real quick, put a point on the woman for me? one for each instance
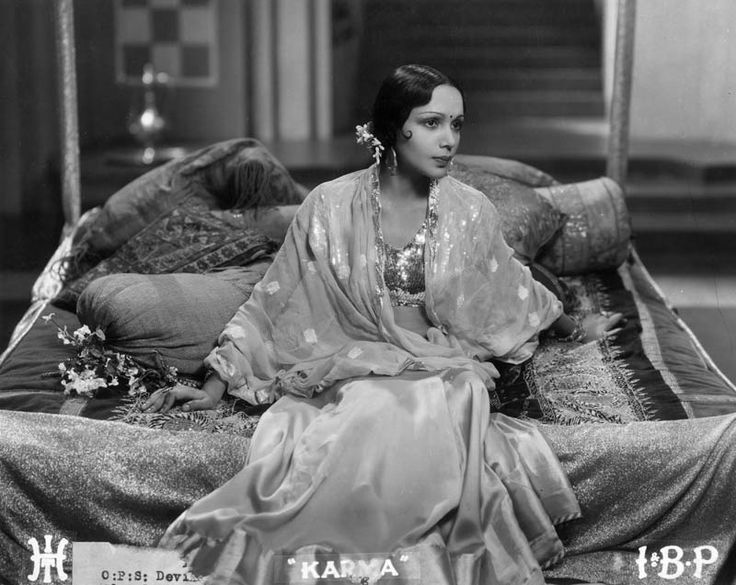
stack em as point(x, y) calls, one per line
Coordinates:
point(422, 101)
point(373, 331)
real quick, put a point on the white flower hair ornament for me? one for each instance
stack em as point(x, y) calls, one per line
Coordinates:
point(364, 135)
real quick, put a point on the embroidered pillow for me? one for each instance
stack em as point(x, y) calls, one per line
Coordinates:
point(596, 231)
point(235, 174)
point(529, 220)
point(190, 238)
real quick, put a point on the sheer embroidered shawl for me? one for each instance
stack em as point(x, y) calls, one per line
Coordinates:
point(322, 312)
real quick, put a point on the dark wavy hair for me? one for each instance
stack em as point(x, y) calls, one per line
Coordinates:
point(406, 88)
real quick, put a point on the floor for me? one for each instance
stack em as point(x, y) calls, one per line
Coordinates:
point(682, 199)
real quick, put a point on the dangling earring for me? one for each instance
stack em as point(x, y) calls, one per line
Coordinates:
point(391, 162)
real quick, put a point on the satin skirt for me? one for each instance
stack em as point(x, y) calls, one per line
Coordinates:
point(412, 466)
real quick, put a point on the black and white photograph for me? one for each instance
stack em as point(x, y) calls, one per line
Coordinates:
point(368, 292)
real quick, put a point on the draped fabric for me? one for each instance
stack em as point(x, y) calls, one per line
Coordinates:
point(382, 441)
point(654, 485)
point(322, 312)
point(412, 466)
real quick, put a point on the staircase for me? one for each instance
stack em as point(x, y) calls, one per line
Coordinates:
point(513, 58)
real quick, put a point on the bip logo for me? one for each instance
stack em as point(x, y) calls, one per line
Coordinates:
point(48, 559)
point(673, 563)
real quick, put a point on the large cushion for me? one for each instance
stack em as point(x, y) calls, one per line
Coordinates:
point(529, 220)
point(174, 317)
point(596, 232)
point(190, 238)
point(235, 174)
point(508, 169)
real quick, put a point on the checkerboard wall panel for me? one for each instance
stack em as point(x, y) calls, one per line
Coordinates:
point(178, 37)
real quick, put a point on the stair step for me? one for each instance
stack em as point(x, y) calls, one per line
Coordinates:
point(684, 206)
point(487, 106)
point(453, 58)
point(715, 223)
point(520, 5)
point(574, 25)
point(657, 197)
point(441, 9)
point(568, 166)
point(490, 15)
point(675, 206)
point(673, 244)
point(589, 79)
point(696, 189)
point(515, 81)
point(472, 35)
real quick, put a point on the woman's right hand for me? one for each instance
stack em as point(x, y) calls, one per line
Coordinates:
point(205, 398)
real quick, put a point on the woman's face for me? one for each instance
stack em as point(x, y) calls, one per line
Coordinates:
point(433, 132)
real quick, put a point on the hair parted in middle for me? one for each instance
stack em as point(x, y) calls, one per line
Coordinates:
point(406, 88)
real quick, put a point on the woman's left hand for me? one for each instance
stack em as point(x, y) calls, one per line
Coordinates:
point(597, 325)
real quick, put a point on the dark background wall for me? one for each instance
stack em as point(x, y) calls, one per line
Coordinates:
point(29, 143)
point(195, 113)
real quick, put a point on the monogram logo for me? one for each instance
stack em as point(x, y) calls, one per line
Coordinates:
point(48, 559)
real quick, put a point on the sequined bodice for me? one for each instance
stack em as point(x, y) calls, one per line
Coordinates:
point(404, 272)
